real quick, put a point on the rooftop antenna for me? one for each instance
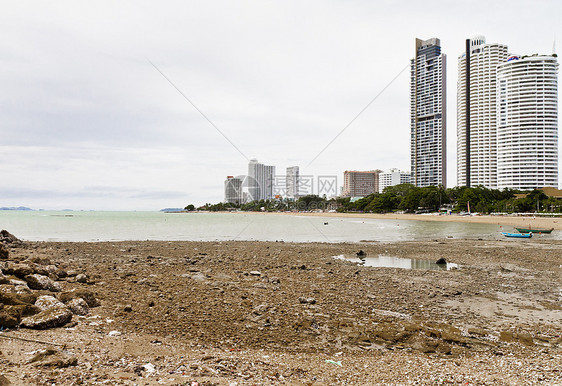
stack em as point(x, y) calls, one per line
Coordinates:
point(554, 45)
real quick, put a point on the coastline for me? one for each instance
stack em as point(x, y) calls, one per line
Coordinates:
point(254, 312)
point(538, 222)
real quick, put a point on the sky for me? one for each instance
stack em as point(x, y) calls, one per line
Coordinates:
point(88, 123)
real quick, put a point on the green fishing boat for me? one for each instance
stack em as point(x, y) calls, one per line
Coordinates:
point(534, 230)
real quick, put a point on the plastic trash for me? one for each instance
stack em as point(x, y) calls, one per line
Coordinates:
point(334, 362)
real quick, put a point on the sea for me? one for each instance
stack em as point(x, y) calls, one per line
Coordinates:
point(91, 226)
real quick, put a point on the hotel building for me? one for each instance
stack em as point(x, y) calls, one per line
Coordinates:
point(477, 114)
point(360, 183)
point(392, 178)
point(527, 131)
point(428, 114)
point(292, 182)
point(233, 193)
point(260, 181)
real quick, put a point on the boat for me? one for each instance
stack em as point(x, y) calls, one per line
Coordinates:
point(534, 230)
point(518, 235)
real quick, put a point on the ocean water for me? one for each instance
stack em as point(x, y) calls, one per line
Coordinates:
point(117, 226)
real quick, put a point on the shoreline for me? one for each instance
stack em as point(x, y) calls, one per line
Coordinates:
point(534, 222)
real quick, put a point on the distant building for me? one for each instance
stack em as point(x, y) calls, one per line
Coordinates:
point(233, 190)
point(428, 142)
point(260, 181)
point(292, 182)
point(392, 178)
point(527, 131)
point(476, 113)
point(360, 183)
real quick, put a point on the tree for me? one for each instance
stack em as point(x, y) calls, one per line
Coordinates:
point(190, 208)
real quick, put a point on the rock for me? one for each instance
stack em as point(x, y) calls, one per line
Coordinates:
point(4, 279)
point(21, 311)
point(17, 299)
point(8, 238)
point(51, 318)
point(507, 336)
point(304, 300)
point(441, 261)
point(40, 282)
point(46, 302)
point(4, 253)
point(361, 253)
point(53, 358)
point(477, 331)
point(78, 306)
point(255, 273)
point(128, 308)
point(87, 295)
point(525, 339)
point(7, 320)
point(4, 381)
point(81, 278)
point(18, 269)
point(114, 333)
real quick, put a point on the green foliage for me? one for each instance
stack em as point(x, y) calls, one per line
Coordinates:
point(190, 208)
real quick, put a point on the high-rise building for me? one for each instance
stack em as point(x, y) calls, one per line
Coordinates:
point(260, 181)
point(527, 131)
point(292, 182)
point(233, 190)
point(476, 112)
point(360, 183)
point(428, 114)
point(392, 178)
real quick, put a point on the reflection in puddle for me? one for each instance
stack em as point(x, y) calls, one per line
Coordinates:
point(397, 262)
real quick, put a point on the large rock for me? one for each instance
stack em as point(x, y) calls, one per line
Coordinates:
point(46, 302)
point(8, 238)
point(53, 358)
point(7, 320)
point(87, 295)
point(41, 282)
point(4, 253)
point(78, 306)
point(16, 299)
point(18, 270)
point(51, 318)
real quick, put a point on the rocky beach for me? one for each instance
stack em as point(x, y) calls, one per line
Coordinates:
point(267, 313)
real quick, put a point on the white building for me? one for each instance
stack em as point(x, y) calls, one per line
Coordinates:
point(428, 141)
point(292, 182)
point(476, 113)
point(392, 178)
point(260, 181)
point(527, 134)
point(233, 193)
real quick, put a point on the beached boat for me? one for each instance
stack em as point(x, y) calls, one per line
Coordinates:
point(518, 235)
point(534, 230)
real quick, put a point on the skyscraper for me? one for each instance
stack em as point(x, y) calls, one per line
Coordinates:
point(527, 132)
point(292, 182)
point(260, 181)
point(428, 114)
point(392, 178)
point(233, 190)
point(476, 112)
point(360, 183)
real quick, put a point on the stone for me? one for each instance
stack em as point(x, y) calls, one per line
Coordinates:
point(4, 253)
point(255, 273)
point(8, 238)
point(46, 302)
point(7, 320)
point(4, 381)
point(441, 261)
point(53, 358)
point(78, 306)
point(41, 282)
point(128, 308)
point(21, 311)
point(525, 339)
point(18, 269)
point(477, 331)
point(85, 294)
point(304, 300)
point(16, 299)
point(507, 336)
point(51, 318)
point(81, 278)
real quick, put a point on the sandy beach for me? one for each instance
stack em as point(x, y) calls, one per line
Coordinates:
point(520, 221)
point(267, 313)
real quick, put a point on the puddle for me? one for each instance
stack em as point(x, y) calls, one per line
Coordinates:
point(397, 262)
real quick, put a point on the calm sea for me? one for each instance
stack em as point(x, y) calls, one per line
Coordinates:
point(116, 226)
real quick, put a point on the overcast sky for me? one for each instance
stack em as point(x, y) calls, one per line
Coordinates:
point(86, 122)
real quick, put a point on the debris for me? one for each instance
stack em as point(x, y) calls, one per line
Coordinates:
point(334, 362)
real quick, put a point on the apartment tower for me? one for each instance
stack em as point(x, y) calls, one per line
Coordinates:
point(360, 183)
point(428, 114)
point(233, 190)
point(477, 114)
point(292, 182)
point(527, 132)
point(260, 181)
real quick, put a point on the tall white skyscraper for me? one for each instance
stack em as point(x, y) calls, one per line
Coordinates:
point(428, 114)
point(527, 133)
point(476, 113)
point(292, 182)
point(233, 193)
point(392, 178)
point(260, 181)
